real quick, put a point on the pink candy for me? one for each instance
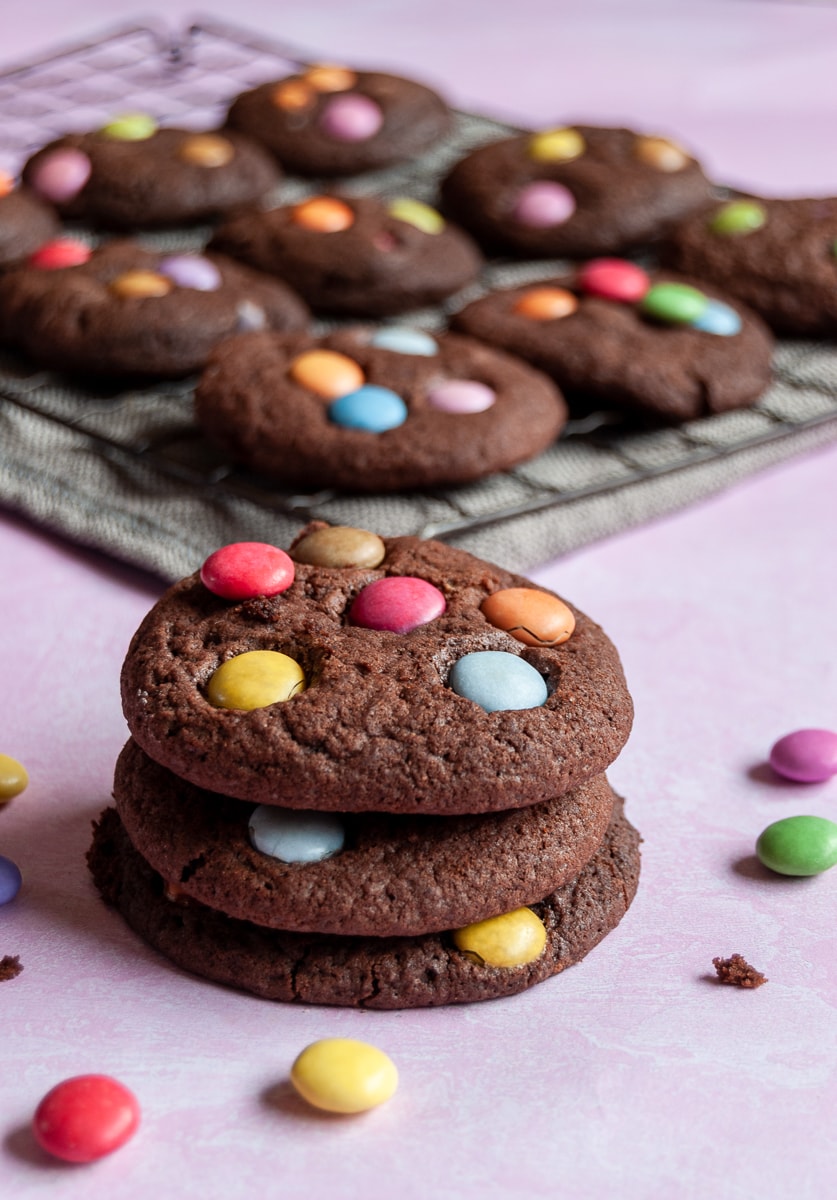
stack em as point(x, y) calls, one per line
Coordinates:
point(351, 117)
point(397, 603)
point(614, 279)
point(807, 755)
point(61, 175)
point(542, 204)
point(461, 396)
point(244, 570)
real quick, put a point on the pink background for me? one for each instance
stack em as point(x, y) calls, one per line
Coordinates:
point(634, 1074)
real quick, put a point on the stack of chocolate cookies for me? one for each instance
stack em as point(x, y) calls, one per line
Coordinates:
point(369, 772)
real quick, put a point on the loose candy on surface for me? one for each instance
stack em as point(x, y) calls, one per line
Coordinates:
point(60, 253)
point(674, 303)
point(370, 408)
point(350, 117)
point(140, 285)
point(510, 940)
point(529, 615)
point(403, 340)
point(799, 845)
point(191, 271)
point(207, 150)
point(397, 603)
point(14, 778)
point(498, 681)
point(556, 145)
point(130, 127)
point(244, 570)
point(323, 214)
point(255, 679)
point(546, 304)
point(10, 879)
point(295, 836)
point(614, 279)
point(86, 1117)
point(342, 1075)
point(660, 153)
point(327, 373)
point(414, 212)
point(341, 546)
point(461, 396)
point(718, 318)
point(543, 204)
point(806, 755)
point(61, 174)
point(738, 217)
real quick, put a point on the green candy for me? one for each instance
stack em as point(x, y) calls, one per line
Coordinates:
point(739, 216)
point(130, 127)
point(674, 303)
point(799, 846)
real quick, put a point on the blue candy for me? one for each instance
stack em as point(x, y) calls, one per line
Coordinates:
point(405, 341)
point(296, 837)
point(10, 880)
point(372, 408)
point(718, 318)
point(497, 680)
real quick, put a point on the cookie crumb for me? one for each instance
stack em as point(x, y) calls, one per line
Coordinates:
point(738, 972)
point(10, 967)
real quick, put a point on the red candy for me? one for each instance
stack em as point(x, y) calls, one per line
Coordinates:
point(614, 279)
point(397, 603)
point(62, 252)
point(243, 570)
point(85, 1118)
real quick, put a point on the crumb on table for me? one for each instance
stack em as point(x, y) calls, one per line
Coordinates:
point(10, 967)
point(738, 972)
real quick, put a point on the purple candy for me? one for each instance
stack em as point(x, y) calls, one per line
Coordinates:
point(10, 880)
point(397, 603)
point(543, 204)
point(461, 396)
point(807, 755)
point(61, 175)
point(351, 117)
point(191, 271)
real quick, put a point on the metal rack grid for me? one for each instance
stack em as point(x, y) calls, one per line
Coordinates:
point(188, 80)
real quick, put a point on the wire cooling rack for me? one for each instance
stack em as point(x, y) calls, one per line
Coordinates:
point(188, 80)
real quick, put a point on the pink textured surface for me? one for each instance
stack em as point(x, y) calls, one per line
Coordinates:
point(635, 1074)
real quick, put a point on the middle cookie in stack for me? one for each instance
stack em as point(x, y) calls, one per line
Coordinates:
point(423, 737)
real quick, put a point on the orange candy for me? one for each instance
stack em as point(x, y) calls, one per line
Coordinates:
point(327, 373)
point(6, 183)
point(531, 616)
point(140, 285)
point(329, 78)
point(546, 304)
point(323, 214)
point(660, 153)
point(206, 150)
point(293, 95)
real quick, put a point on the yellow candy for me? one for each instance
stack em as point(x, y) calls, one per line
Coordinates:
point(255, 680)
point(510, 940)
point(556, 145)
point(342, 1075)
point(413, 212)
point(140, 285)
point(13, 778)
point(206, 150)
point(130, 127)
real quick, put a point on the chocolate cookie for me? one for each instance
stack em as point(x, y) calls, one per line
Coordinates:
point(344, 411)
point(133, 175)
point(393, 876)
point(331, 121)
point(654, 342)
point(378, 693)
point(573, 191)
point(356, 257)
point(777, 256)
point(26, 222)
point(362, 972)
point(128, 310)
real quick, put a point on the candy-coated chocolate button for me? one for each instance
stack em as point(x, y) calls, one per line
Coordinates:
point(206, 150)
point(13, 778)
point(342, 1075)
point(674, 303)
point(530, 616)
point(498, 681)
point(543, 204)
point(660, 153)
point(329, 78)
point(614, 279)
point(350, 117)
point(807, 755)
point(60, 175)
point(323, 214)
point(556, 145)
point(718, 318)
point(371, 408)
point(243, 570)
point(739, 216)
point(296, 837)
point(413, 212)
point(130, 127)
point(86, 1117)
point(341, 546)
point(510, 940)
point(191, 271)
point(60, 253)
point(461, 396)
point(255, 679)
point(293, 95)
point(250, 317)
point(7, 183)
point(140, 285)
point(799, 846)
point(326, 373)
point(404, 341)
point(397, 604)
point(546, 304)
point(10, 879)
